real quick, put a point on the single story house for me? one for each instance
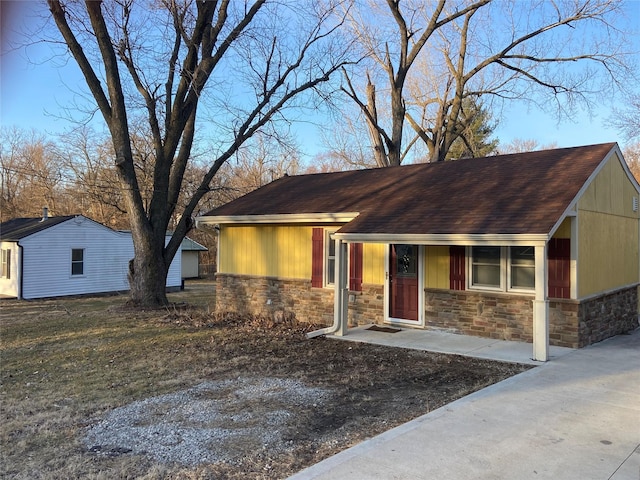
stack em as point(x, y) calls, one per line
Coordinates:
point(66, 255)
point(191, 257)
point(538, 247)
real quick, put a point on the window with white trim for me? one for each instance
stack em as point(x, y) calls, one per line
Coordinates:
point(502, 268)
point(329, 259)
point(522, 270)
point(5, 261)
point(77, 261)
point(486, 267)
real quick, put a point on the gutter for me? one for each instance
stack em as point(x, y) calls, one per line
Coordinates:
point(328, 217)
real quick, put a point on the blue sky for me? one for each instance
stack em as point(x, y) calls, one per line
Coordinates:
point(34, 92)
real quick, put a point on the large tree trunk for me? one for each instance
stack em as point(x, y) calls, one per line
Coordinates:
point(397, 112)
point(148, 272)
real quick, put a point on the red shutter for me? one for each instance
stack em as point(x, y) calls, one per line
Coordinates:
point(317, 256)
point(559, 253)
point(457, 268)
point(355, 267)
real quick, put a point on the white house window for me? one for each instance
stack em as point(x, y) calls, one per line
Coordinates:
point(486, 267)
point(523, 268)
point(77, 261)
point(329, 259)
point(5, 261)
point(502, 268)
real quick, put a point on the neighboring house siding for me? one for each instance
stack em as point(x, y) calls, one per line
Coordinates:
point(607, 232)
point(9, 285)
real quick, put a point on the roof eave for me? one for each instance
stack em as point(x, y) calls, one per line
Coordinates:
point(340, 217)
point(463, 239)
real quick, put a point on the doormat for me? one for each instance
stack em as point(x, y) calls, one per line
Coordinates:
point(377, 328)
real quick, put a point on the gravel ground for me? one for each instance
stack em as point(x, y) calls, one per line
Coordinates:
point(211, 422)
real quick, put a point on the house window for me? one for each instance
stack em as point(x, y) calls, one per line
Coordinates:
point(5, 260)
point(329, 259)
point(523, 268)
point(77, 261)
point(485, 267)
point(502, 268)
point(323, 261)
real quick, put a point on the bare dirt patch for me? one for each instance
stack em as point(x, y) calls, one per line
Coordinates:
point(89, 391)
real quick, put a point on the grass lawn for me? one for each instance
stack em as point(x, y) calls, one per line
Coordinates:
point(67, 364)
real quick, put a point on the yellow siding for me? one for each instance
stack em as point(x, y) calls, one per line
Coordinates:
point(373, 263)
point(437, 267)
point(282, 251)
point(564, 231)
point(608, 234)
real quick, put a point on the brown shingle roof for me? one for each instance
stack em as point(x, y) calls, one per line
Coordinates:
point(505, 194)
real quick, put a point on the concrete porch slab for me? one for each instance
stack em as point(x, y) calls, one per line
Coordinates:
point(443, 342)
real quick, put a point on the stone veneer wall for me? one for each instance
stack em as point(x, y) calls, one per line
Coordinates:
point(563, 322)
point(491, 315)
point(607, 315)
point(273, 296)
point(572, 323)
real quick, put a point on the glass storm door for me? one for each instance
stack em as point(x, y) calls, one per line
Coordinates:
point(403, 282)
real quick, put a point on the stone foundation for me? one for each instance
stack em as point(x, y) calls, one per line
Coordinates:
point(296, 298)
point(563, 322)
point(607, 315)
point(572, 323)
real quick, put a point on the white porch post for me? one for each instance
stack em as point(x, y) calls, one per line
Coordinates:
point(341, 292)
point(541, 306)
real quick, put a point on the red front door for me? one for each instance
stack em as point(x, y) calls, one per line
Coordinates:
point(403, 282)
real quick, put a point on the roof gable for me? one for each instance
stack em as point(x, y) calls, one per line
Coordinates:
point(505, 194)
point(190, 245)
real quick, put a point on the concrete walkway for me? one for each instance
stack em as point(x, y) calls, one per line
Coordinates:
point(575, 417)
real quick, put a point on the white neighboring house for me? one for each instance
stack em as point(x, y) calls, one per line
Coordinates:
point(68, 255)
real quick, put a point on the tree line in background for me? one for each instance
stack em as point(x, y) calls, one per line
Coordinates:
point(198, 109)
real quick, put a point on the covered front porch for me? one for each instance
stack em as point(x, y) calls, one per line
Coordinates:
point(539, 351)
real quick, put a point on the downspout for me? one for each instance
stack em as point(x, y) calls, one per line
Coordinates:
point(341, 295)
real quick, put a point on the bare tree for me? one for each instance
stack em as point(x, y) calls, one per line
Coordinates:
point(520, 145)
point(31, 177)
point(428, 59)
point(632, 157)
point(627, 119)
point(93, 182)
point(266, 160)
point(257, 58)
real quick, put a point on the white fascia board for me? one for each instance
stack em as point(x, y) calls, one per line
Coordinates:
point(446, 239)
point(342, 217)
